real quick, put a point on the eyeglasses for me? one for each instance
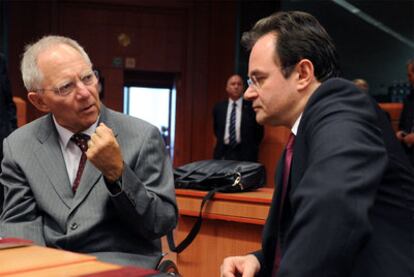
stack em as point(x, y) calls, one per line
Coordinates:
point(88, 79)
point(253, 83)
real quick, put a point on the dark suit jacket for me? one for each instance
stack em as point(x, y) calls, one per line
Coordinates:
point(7, 107)
point(407, 122)
point(120, 228)
point(251, 133)
point(350, 205)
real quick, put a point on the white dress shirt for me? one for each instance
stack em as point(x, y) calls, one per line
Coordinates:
point(71, 152)
point(295, 126)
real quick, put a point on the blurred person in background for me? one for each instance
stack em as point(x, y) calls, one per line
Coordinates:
point(238, 136)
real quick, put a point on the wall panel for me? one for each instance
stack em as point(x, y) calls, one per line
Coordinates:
point(195, 40)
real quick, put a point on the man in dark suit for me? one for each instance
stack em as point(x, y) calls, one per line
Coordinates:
point(344, 201)
point(406, 126)
point(112, 197)
point(8, 120)
point(247, 133)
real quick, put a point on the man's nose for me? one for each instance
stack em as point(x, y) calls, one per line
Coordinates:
point(82, 89)
point(249, 94)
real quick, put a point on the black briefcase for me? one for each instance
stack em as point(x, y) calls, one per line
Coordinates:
point(215, 176)
point(224, 175)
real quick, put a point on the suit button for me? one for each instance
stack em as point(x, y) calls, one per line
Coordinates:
point(74, 226)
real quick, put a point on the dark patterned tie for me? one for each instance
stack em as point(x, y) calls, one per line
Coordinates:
point(81, 141)
point(232, 128)
point(286, 173)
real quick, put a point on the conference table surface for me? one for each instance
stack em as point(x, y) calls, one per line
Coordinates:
point(39, 261)
point(249, 208)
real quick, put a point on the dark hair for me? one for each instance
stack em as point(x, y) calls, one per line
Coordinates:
point(299, 35)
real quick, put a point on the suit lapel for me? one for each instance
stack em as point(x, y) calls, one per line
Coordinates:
point(224, 117)
point(272, 227)
point(90, 177)
point(50, 157)
point(279, 183)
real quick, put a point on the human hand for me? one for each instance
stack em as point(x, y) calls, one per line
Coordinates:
point(245, 266)
point(409, 139)
point(400, 135)
point(105, 154)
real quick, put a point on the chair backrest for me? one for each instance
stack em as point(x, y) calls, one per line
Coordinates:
point(21, 110)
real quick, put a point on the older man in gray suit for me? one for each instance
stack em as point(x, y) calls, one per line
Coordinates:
point(113, 198)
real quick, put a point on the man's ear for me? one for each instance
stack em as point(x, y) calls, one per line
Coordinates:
point(305, 74)
point(37, 100)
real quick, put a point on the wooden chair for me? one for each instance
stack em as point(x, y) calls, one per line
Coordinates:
point(21, 110)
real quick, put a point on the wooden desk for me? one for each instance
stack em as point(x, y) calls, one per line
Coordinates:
point(77, 269)
point(38, 261)
point(232, 225)
point(28, 258)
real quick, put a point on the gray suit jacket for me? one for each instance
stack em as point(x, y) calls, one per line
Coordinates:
point(124, 228)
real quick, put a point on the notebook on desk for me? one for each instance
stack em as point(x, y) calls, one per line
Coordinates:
point(6, 243)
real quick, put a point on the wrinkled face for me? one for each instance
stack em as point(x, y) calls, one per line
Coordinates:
point(273, 95)
point(60, 66)
point(410, 73)
point(234, 87)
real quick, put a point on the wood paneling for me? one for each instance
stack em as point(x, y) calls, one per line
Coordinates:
point(217, 240)
point(195, 40)
point(248, 207)
point(28, 21)
point(271, 150)
point(222, 43)
point(232, 225)
point(394, 111)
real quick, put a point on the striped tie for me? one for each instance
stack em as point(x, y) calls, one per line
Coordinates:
point(232, 129)
point(81, 140)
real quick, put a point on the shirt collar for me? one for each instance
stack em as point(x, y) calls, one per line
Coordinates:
point(296, 125)
point(65, 134)
point(238, 101)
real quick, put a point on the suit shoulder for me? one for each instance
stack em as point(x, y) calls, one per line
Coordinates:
point(26, 138)
point(338, 93)
point(28, 130)
point(222, 103)
point(220, 106)
point(121, 119)
point(338, 98)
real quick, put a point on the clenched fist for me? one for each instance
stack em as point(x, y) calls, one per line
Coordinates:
point(105, 154)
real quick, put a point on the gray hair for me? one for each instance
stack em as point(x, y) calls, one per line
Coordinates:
point(410, 62)
point(31, 74)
